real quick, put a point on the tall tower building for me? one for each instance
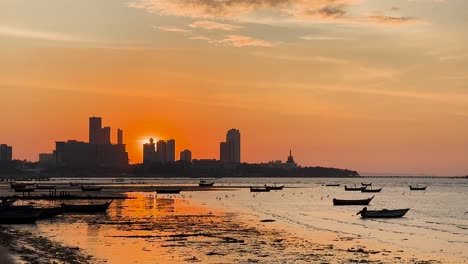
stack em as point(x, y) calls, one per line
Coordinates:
point(149, 151)
point(161, 147)
point(170, 150)
point(224, 151)
point(119, 136)
point(95, 124)
point(6, 152)
point(186, 155)
point(233, 141)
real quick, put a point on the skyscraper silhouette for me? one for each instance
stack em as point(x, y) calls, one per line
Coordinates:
point(230, 151)
point(170, 150)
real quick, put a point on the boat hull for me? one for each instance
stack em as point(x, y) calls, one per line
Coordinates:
point(384, 213)
point(339, 202)
point(85, 208)
point(371, 190)
point(259, 189)
point(91, 188)
point(20, 217)
point(168, 191)
point(355, 189)
point(275, 188)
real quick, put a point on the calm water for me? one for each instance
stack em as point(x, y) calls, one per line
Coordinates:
point(436, 223)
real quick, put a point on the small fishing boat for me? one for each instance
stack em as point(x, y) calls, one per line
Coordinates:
point(354, 188)
point(274, 187)
point(332, 184)
point(382, 213)
point(18, 217)
point(417, 188)
point(91, 188)
point(168, 190)
point(85, 208)
point(45, 187)
point(352, 202)
point(366, 183)
point(259, 189)
point(371, 190)
point(25, 189)
point(44, 212)
point(205, 183)
point(15, 185)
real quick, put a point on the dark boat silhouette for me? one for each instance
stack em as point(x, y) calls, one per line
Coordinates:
point(168, 191)
point(366, 183)
point(352, 202)
point(18, 217)
point(25, 189)
point(44, 212)
point(354, 188)
point(259, 189)
point(274, 187)
point(45, 187)
point(91, 188)
point(332, 184)
point(369, 190)
point(385, 213)
point(417, 188)
point(85, 208)
point(205, 183)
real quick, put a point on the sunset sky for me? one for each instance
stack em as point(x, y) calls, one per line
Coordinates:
point(377, 86)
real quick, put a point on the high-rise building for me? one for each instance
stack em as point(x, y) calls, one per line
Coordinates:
point(149, 151)
point(224, 151)
point(119, 136)
point(230, 151)
point(233, 140)
point(161, 149)
point(95, 124)
point(186, 155)
point(6, 152)
point(170, 150)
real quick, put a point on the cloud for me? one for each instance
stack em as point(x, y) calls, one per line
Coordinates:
point(14, 32)
point(172, 29)
point(210, 25)
point(390, 20)
point(247, 9)
point(245, 41)
point(319, 38)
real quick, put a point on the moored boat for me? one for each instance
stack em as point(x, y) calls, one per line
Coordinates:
point(354, 188)
point(44, 212)
point(352, 202)
point(417, 188)
point(205, 183)
point(85, 208)
point(259, 189)
point(91, 188)
point(385, 213)
point(168, 190)
point(366, 183)
point(371, 190)
point(332, 184)
point(45, 187)
point(18, 217)
point(274, 187)
point(25, 189)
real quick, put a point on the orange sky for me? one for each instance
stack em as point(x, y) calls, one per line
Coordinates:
point(374, 86)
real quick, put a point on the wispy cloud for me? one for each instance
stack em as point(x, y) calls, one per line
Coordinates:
point(245, 41)
point(211, 25)
point(320, 59)
point(172, 29)
point(319, 38)
point(15, 32)
point(391, 20)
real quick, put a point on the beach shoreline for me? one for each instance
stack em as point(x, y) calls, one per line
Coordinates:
point(186, 230)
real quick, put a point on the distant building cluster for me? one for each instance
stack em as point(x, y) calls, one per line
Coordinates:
point(278, 164)
point(230, 150)
point(161, 151)
point(99, 151)
point(6, 152)
point(186, 155)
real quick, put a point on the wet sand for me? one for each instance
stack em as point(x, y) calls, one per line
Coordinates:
point(166, 229)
